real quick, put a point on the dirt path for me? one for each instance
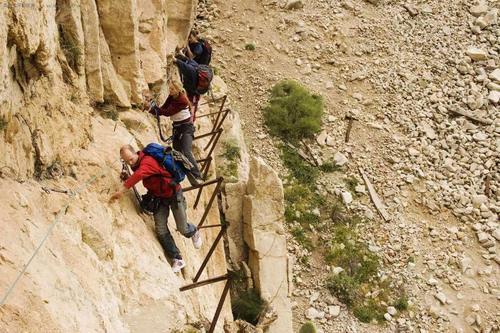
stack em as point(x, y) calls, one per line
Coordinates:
point(395, 72)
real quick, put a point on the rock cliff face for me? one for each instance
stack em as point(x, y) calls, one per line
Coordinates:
point(101, 269)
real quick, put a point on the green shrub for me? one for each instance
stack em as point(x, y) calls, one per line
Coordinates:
point(299, 169)
point(351, 183)
point(402, 303)
point(248, 306)
point(293, 112)
point(70, 49)
point(329, 167)
point(301, 237)
point(344, 287)
point(231, 150)
point(3, 124)
point(366, 313)
point(250, 47)
point(308, 328)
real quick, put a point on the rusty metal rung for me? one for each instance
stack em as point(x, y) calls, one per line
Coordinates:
point(204, 282)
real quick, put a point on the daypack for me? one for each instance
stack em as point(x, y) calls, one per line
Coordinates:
point(206, 56)
point(173, 161)
point(205, 76)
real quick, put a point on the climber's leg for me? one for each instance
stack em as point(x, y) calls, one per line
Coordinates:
point(162, 232)
point(179, 211)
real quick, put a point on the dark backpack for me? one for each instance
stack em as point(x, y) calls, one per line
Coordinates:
point(173, 161)
point(205, 76)
point(206, 56)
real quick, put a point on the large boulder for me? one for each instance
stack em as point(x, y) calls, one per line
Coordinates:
point(263, 216)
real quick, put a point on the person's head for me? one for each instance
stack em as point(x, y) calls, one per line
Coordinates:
point(193, 36)
point(129, 155)
point(174, 87)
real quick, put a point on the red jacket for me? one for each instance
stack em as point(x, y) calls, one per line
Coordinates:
point(154, 177)
point(173, 105)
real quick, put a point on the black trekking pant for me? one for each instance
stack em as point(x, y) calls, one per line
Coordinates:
point(182, 140)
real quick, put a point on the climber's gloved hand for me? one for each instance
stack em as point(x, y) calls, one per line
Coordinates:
point(124, 176)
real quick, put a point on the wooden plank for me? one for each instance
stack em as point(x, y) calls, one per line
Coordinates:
point(471, 116)
point(374, 196)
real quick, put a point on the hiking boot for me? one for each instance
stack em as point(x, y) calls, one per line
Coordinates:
point(196, 238)
point(178, 265)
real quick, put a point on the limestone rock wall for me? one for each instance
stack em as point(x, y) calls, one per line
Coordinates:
point(101, 269)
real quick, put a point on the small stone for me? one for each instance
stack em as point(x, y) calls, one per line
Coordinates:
point(312, 313)
point(294, 4)
point(329, 85)
point(413, 152)
point(314, 297)
point(347, 197)
point(477, 54)
point(441, 297)
point(494, 96)
point(337, 270)
point(360, 189)
point(482, 237)
point(330, 141)
point(298, 62)
point(479, 9)
point(392, 310)
point(387, 317)
point(479, 200)
point(496, 234)
point(480, 136)
point(321, 138)
point(495, 75)
point(262, 136)
point(340, 159)
point(432, 282)
point(334, 310)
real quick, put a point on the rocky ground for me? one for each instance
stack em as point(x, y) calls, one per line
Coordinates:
point(403, 70)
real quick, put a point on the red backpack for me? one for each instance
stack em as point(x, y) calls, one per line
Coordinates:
point(205, 76)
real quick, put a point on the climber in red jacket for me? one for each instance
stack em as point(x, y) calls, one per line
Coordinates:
point(167, 196)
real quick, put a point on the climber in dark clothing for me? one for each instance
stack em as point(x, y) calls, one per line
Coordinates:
point(177, 107)
point(199, 49)
point(189, 75)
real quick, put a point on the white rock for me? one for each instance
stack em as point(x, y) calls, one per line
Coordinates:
point(337, 270)
point(346, 197)
point(334, 310)
point(360, 188)
point(494, 96)
point(312, 313)
point(432, 282)
point(392, 310)
point(480, 136)
point(329, 85)
point(495, 75)
point(479, 9)
point(340, 159)
point(496, 234)
point(479, 200)
point(321, 138)
point(477, 54)
point(413, 152)
point(441, 297)
point(330, 141)
point(387, 317)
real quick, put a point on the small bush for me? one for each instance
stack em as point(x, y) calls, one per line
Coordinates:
point(308, 328)
point(250, 47)
point(344, 287)
point(402, 303)
point(293, 112)
point(70, 49)
point(232, 150)
point(3, 124)
point(366, 313)
point(299, 169)
point(329, 167)
point(351, 183)
point(248, 306)
point(300, 236)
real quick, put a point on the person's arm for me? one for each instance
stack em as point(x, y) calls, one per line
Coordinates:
point(145, 170)
point(189, 52)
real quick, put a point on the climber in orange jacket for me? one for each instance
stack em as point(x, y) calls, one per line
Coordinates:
point(164, 195)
